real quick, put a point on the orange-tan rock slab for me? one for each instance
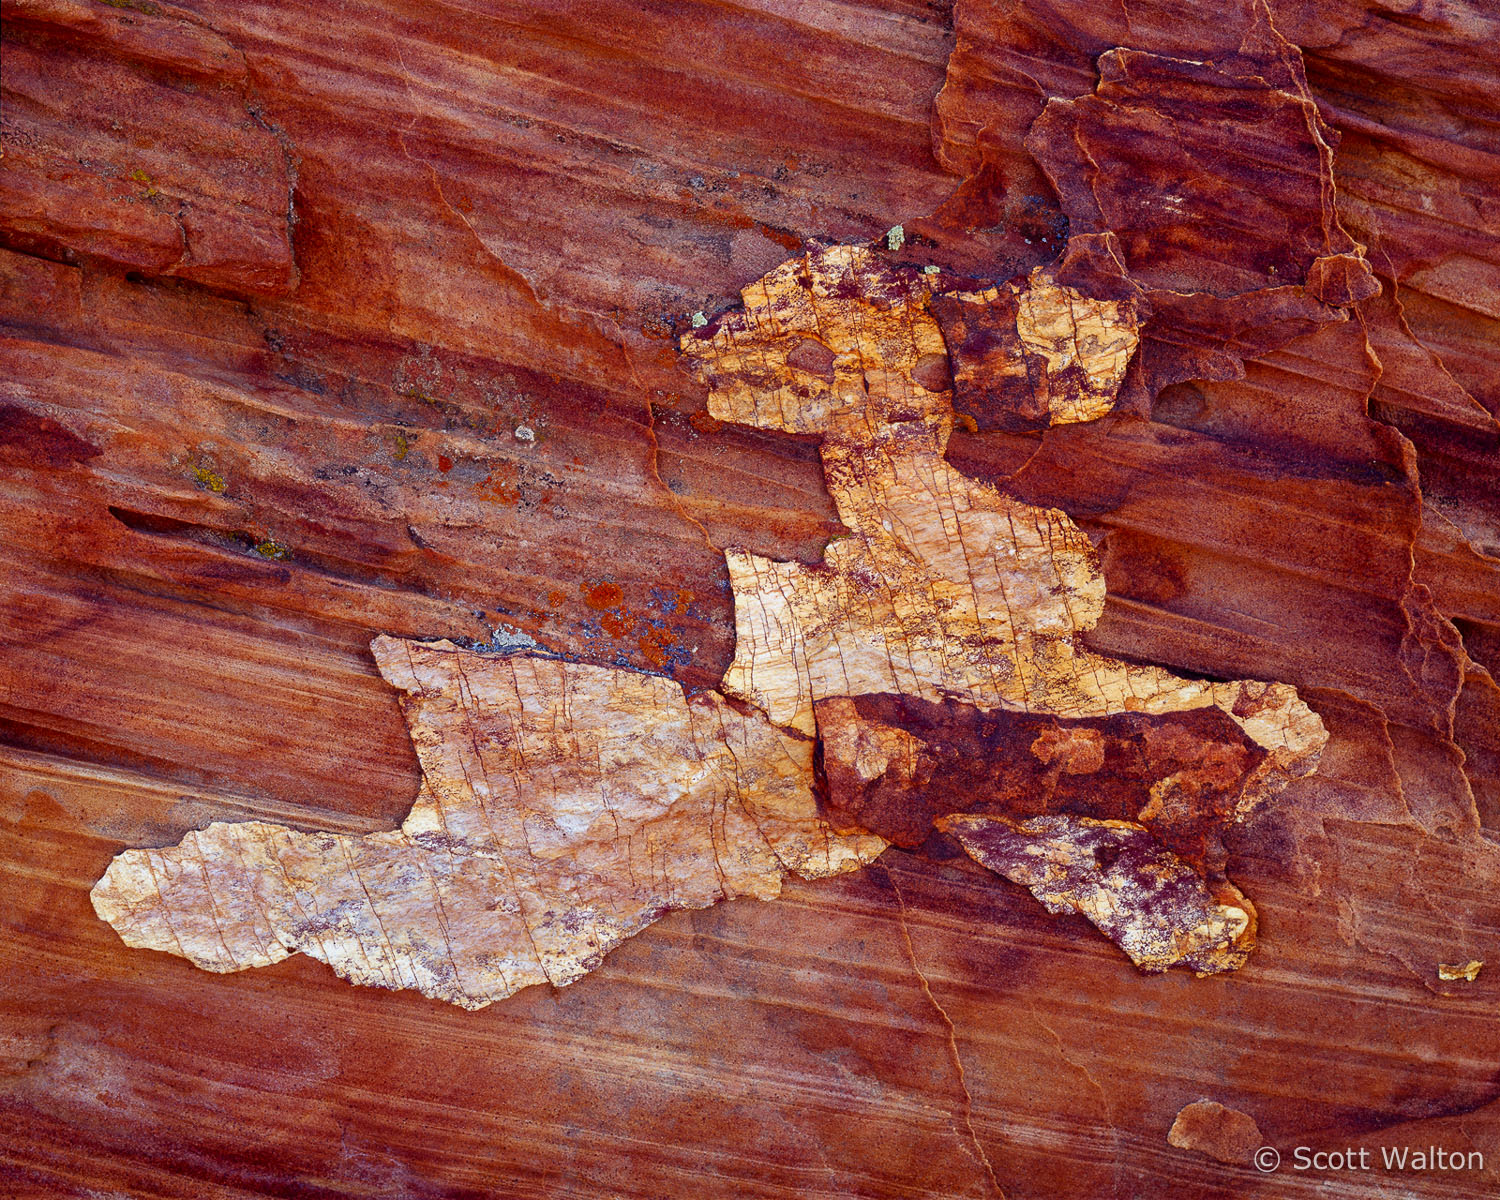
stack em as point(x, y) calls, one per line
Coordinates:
point(945, 588)
point(1222, 1133)
point(564, 808)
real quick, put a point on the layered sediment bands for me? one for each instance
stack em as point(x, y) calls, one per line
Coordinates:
point(1320, 513)
point(1205, 192)
point(130, 135)
point(1214, 176)
point(563, 808)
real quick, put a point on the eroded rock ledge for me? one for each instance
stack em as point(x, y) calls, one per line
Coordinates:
point(566, 807)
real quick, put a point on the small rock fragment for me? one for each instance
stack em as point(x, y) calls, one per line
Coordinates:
point(1140, 895)
point(1224, 1134)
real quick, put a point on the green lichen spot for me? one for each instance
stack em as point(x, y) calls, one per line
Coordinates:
point(699, 320)
point(210, 479)
point(895, 238)
point(140, 6)
point(403, 446)
point(272, 549)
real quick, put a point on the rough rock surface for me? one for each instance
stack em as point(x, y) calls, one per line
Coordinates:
point(1147, 901)
point(1222, 1133)
point(130, 136)
point(462, 416)
point(563, 808)
point(962, 602)
point(942, 587)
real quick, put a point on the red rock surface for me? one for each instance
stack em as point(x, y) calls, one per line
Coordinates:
point(439, 397)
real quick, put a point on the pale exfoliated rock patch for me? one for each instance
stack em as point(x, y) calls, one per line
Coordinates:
point(945, 589)
point(564, 808)
point(1143, 897)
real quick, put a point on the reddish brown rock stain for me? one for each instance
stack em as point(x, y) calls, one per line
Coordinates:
point(28, 438)
point(603, 596)
point(497, 490)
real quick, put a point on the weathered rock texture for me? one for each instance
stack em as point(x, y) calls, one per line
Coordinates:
point(1222, 1133)
point(515, 866)
point(130, 136)
point(563, 808)
point(1138, 893)
point(458, 412)
point(945, 590)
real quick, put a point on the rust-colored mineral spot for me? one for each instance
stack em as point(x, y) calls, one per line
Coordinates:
point(1032, 354)
point(895, 764)
point(563, 808)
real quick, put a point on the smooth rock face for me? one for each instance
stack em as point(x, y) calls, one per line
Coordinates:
point(212, 498)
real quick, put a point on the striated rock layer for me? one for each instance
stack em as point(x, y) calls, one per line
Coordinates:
point(427, 384)
point(515, 867)
point(522, 866)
